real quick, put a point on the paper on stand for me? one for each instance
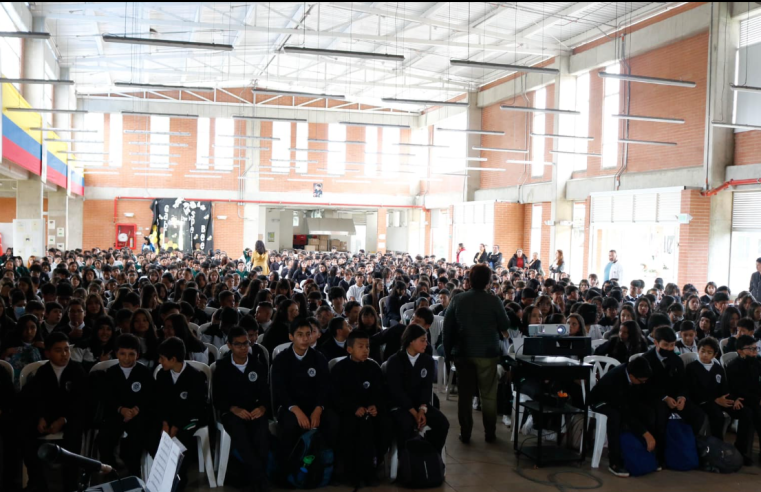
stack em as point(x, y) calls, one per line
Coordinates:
point(165, 464)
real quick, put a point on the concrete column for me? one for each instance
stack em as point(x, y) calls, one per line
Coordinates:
point(381, 228)
point(64, 97)
point(75, 222)
point(562, 209)
point(719, 143)
point(473, 181)
point(252, 219)
point(58, 212)
point(34, 65)
point(371, 232)
point(29, 199)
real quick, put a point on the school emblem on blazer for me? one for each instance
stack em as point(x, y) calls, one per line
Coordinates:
point(252, 376)
point(136, 387)
point(366, 384)
point(67, 386)
point(718, 378)
point(312, 372)
point(424, 373)
point(184, 395)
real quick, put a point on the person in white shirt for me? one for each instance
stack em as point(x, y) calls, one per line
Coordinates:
point(613, 270)
point(357, 291)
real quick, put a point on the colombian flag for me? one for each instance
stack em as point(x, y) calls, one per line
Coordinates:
point(76, 182)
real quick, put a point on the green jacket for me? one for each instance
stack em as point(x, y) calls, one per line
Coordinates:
point(472, 324)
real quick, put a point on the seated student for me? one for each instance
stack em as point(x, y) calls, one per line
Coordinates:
point(7, 431)
point(122, 320)
point(687, 342)
point(23, 346)
point(744, 374)
point(75, 327)
point(100, 346)
point(335, 341)
point(351, 313)
point(127, 396)
point(358, 394)
point(216, 333)
point(668, 386)
point(54, 401)
point(177, 326)
point(409, 382)
point(675, 312)
point(745, 326)
point(610, 311)
point(242, 398)
point(180, 398)
point(628, 341)
point(621, 396)
point(337, 298)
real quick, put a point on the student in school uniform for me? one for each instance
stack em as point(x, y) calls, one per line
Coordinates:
point(687, 342)
point(334, 345)
point(744, 374)
point(745, 326)
point(358, 398)
point(127, 397)
point(301, 386)
point(409, 381)
point(54, 400)
point(242, 398)
point(180, 398)
point(8, 441)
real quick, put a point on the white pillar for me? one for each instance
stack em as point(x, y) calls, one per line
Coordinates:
point(562, 209)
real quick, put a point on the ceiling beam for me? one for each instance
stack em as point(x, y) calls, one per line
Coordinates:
point(553, 19)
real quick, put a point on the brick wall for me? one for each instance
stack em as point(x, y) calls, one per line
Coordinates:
point(693, 239)
point(747, 148)
point(7, 209)
point(426, 216)
point(509, 233)
point(587, 222)
point(382, 239)
point(547, 256)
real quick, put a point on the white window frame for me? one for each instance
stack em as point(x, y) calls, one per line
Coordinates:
point(160, 126)
point(391, 162)
point(535, 242)
point(538, 125)
point(457, 143)
point(93, 121)
point(610, 126)
point(203, 143)
point(224, 153)
point(10, 49)
point(336, 149)
point(281, 130)
point(371, 146)
point(115, 139)
point(419, 163)
point(302, 142)
point(582, 122)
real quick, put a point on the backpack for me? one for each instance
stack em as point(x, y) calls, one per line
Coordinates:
point(718, 456)
point(420, 465)
point(636, 457)
point(310, 464)
point(681, 449)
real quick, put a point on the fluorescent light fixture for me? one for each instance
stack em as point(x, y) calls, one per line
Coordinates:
point(646, 142)
point(222, 217)
point(110, 38)
point(295, 160)
point(348, 142)
point(150, 154)
point(100, 172)
point(381, 125)
point(168, 115)
point(568, 152)
point(165, 175)
point(148, 132)
point(293, 50)
point(68, 140)
point(472, 132)
point(425, 102)
point(163, 144)
point(204, 176)
point(161, 87)
point(525, 163)
point(324, 151)
point(274, 92)
point(527, 109)
point(494, 149)
point(25, 34)
point(355, 181)
point(554, 135)
point(647, 80)
point(239, 147)
point(324, 170)
point(46, 110)
point(738, 126)
point(268, 118)
point(311, 180)
point(129, 214)
point(251, 137)
point(37, 81)
point(503, 66)
point(744, 88)
point(654, 119)
point(152, 163)
point(80, 161)
point(69, 130)
point(424, 146)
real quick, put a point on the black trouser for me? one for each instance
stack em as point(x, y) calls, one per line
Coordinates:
point(72, 442)
point(749, 420)
point(691, 414)
point(363, 443)
point(290, 431)
point(130, 447)
point(251, 439)
point(645, 419)
point(10, 455)
point(716, 420)
point(406, 427)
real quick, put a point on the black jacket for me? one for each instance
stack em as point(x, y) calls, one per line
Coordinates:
point(745, 380)
point(137, 391)
point(616, 391)
point(303, 383)
point(248, 389)
point(7, 398)
point(496, 259)
point(705, 386)
point(44, 397)
point(408, 386)
point(331, 350)
point(183, 403)
point(514, 262)
point(356, 384)
point(480, 257)
point(391, 339)
point(276, 334)
point(617, 349)
point(667, 378)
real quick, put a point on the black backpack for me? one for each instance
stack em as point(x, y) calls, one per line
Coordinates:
point(310, 464)
point(420, 465)
point(718, 456)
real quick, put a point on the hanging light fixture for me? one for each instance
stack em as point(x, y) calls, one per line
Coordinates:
point(647, 80)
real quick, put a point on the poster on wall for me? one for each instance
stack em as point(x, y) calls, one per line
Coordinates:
point(28, 238)
point(317, 190)
point(182, 225)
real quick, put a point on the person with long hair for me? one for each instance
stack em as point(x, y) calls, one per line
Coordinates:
point(643, 309)
point(24, 345)
point(727, 325)
point(99, 347)
point(692, 308)
point(141, 325)
point(409, 380)
point(558, 266)
point(260, 258)
point(628, 341)
point(94, 309)
point(177, 326)
point(481, 255)
point(248, 300)
point(377, 292)
point(301, 300)
point(277, 333)
point(397, 298)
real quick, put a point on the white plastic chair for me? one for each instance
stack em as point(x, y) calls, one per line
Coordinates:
point(406, 306)
point(689, 357)
point(213, 350)
point(9, 369)
point(244, 311)
point(729, 357)
point(634, 357)
point(601, 367)
point(407, 315)
point(382, 304)
point(437, 329)
point(333, 362)
point(597, 343)
point(210, 311)
point(195, 329)
point(222, 351)
point(279, 349)
point(723, 344)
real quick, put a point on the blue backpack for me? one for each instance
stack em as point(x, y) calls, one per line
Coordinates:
point(681, 447)
point(310, 464)
point(636, 457)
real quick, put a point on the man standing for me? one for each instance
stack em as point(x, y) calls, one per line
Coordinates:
point(613, 270)
point(755, 282)
point(472, 325)
point(495, 258)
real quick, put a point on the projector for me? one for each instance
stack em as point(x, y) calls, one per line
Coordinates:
point(547, 330)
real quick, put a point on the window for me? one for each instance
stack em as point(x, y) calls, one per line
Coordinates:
point(418, 163)
point(389, 158)
point(93, 121)
point(336, 151)
point(159, 139)
point(611, 105)
point(582, 122)
point(10, 49)
point(577, 240)
point(203, 140)
point(302, 142)
point(536, 230)
point(371, 146)
point(538, 126)
point(115, 139)
point(747, 107)
point(224, 153)
point(47, 96)
point(280, 154)
point(446, 160)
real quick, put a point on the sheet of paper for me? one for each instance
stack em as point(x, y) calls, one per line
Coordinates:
point(164, 466)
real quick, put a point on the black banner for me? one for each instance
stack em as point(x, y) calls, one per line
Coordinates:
point(183, 225)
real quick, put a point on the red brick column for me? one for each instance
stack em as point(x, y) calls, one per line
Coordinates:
point(693, 240)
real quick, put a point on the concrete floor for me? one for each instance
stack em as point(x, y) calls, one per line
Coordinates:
point(481, 467)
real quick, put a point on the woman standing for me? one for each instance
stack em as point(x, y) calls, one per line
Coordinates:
point(558, 267)
point(460, 249)
point(482, 255)
point(260, 258)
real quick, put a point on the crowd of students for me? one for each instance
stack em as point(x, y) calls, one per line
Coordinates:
point(279, 318)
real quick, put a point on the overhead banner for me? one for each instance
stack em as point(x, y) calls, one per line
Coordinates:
point(182, 225)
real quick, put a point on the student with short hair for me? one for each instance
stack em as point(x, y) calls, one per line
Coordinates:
point(334, 345)
point(687, 342)
point(744, 326)
point(52, 318)
point(127, 395)
point(54, 401)
point(359, 400)
point(242, 398)
point(744, 374)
